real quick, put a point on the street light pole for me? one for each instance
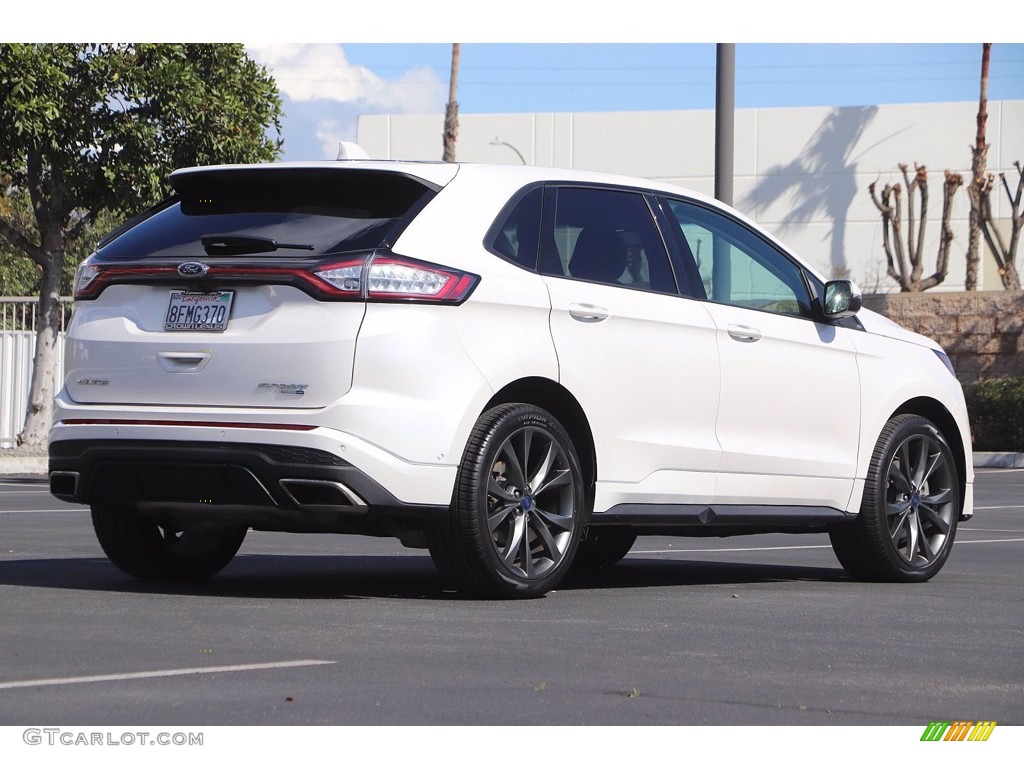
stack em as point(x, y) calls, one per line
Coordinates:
point(499, 143)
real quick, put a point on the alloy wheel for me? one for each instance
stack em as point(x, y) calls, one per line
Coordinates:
point(920, 501)
point(530, 502)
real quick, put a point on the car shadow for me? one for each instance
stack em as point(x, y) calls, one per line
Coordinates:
point(633, 573)
point(25, 480)
point(410, 577)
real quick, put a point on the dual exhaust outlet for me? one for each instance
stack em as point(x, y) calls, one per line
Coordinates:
point(301, 491)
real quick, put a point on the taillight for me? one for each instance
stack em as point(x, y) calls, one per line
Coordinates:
point(369, 278)
point(391, 278)
point(91, 279)
point(346, 278)
point(84, 277)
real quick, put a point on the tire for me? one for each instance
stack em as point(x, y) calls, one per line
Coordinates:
point(147, 550)
point(908, 516)
point(517, 510)
point(603, 547)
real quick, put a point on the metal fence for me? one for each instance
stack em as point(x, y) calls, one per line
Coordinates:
point(19, 317)
point(21, 313)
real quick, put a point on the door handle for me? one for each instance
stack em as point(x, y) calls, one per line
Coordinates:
point(587, 313)
point(744, 333)
point(183, 362)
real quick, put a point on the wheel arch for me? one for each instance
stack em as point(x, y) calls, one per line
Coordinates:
point(560, 403)
point(940, 416)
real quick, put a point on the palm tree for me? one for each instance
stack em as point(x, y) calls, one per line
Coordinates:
point(451, 112)
point(979, 158)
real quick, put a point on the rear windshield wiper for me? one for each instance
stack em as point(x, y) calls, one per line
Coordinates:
point(232, 245)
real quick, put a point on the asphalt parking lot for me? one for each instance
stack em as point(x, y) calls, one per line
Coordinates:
point(316, 630)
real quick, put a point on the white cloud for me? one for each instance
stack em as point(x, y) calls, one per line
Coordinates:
point(325, 94)
point(309, 72)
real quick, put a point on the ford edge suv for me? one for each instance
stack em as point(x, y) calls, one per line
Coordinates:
point(520, 369)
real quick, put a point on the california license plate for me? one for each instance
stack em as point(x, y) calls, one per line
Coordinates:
point(198, 311)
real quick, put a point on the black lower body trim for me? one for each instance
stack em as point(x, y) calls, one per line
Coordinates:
point(271, 487)
point(720, 519)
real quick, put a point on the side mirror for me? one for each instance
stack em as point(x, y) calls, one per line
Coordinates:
point(842, 299)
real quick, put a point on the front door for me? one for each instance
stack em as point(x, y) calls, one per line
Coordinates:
point(789, 413)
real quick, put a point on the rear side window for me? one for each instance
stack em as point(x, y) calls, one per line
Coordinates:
point(297, 213)
point(606, 236)
point(516, 236)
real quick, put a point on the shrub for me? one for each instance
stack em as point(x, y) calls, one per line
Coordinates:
point(996, 411)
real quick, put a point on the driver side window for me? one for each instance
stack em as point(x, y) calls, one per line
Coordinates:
point(736, 266)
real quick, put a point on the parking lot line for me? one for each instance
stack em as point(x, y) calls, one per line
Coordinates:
point(161, 673)
point(984, 541)
point(31, 511)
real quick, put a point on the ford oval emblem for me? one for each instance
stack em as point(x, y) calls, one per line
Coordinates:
point(192, 269)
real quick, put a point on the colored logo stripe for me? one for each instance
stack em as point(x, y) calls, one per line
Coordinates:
point(958, 730)
point(982, 730)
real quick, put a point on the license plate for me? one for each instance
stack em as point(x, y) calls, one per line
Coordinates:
point(198, 311)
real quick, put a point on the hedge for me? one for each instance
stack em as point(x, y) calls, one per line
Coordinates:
point(996, 412)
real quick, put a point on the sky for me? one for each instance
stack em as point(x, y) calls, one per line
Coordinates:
point(333, 62)
point(326, 86)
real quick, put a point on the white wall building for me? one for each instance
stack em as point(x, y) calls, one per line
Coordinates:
point(802, 173)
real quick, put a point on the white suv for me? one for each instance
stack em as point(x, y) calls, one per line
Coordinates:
point(518, 368)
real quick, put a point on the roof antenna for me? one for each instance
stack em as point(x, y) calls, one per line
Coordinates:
point(349, 150)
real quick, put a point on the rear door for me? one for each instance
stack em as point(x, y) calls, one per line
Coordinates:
point(641, 360)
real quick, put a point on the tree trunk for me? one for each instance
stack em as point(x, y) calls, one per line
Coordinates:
point(451, 112)
point(47, 193)
point(39, 414)
point(1004, 254)
point(1016, 225)
point(979, 160)
point(907, 267)
point(949, 188)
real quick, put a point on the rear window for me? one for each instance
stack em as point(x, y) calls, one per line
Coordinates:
point(287, 212)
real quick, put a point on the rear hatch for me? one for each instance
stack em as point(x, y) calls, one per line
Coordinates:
point(242, 290)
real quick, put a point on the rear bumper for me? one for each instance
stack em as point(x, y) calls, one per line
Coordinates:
point(408, 480)
point(267, 486)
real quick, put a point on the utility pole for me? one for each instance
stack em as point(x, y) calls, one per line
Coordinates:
point(725, 110)
point(451, 112)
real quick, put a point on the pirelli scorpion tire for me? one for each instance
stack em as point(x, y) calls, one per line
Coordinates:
point(518, 507)
point(142, 548)
point(909, 512)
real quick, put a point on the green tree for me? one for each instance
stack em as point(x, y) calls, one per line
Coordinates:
point(88, 128)
point(20, 276)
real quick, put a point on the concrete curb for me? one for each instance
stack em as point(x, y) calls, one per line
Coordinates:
point(37, 465)
point(23, 465)
point(1004, 460)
